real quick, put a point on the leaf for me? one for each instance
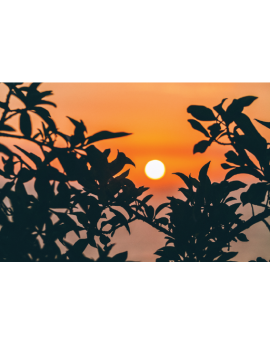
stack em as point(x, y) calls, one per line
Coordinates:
point(47, 102)
point(5, 150)
point(218, 108)
point(25, 124)
point(123, 175)
point(231, 198)
point(162, 220)
point(37, 160)
point(149, 211)
point(120, 257)
point(227, 166)
point(45, 115)
point(259, 259)
point(107, 152)
point(266, 124)
point(232, 157)
point(25, 175)
point(201, 113)
point(255, 194)
point(246, 101)
point(4, 127)
point(201, 146)
point(161, 207)
point(197, 126)
point(185, 179)
point(227, 256)
point(103, 135)
point(243, 170)
point(203, 172)
point(147, 198)
point(118, 164)
point(104, 239)
point(123, 220)
point(215, 130)
point(242, 237)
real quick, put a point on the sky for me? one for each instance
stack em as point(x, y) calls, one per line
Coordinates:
point(156, 115)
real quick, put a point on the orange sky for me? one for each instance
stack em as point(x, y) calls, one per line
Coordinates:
point(156, 115)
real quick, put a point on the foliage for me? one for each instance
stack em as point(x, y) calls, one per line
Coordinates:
point(205, 223)
point(75, 187)
point(87, 192)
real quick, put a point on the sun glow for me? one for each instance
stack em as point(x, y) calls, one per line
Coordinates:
point(154, 169)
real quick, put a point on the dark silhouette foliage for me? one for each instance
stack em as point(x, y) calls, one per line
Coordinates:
point(92, 194)
point(205, 223)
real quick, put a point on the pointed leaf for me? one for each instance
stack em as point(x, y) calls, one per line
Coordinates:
point(227, 166)
point(266, 124)
point(244, 170)
point(160, 207)
point(103, 135)
point(185, 179)
point(242, 237)
point(203, 171)
point(201, 146)
point(25, 124)
point(201, 113)
point(196, 125)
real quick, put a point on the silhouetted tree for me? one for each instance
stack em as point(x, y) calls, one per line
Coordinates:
point(204, 224)
point(31, 225)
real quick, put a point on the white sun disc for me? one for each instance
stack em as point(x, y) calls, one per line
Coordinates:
point(155, 169)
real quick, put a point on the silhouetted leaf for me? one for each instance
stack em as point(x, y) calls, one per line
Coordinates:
point(147, 198)
point(246, 101)
point(259, 259)
point(201, 113)
point(203, 171)
point(118, 164)
point(5, 150)
point(161, 207)
point(37, 160)
point(149, 211)
point(235, 185)
point(231, 198)
point(201, 146)
point(123, 175)
point(255, 194)
point(162, 220)
point(218, 108)
point(243, 170)
point(215, 130)
point(121, 257)
point(242, 237)
point(103, 135)
point(227, 166)
point(185, 179)
point(232, 157)
point(227, 256)
point(104, 239)
point(4, 127)
point(196, 125)
point(266, 124)
point(25, 124)
point(25, 175)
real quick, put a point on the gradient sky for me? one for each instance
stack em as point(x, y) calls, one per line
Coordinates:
point(156, 115)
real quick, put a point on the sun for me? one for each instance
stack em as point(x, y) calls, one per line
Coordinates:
point(154, 169)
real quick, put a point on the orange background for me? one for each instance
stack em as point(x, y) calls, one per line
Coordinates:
point(156, 114)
